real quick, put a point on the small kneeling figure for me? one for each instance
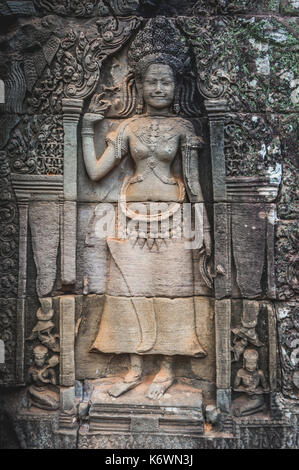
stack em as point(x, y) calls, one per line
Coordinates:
point(250, 380)
point(43, 393)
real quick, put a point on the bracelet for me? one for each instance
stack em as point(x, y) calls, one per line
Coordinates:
point(87, 132)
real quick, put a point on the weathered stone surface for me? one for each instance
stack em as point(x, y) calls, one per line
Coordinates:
point(144, 272)
point(290, 7)
point(286, 259)
point(44, 221)
point(287, 316)
point(151, 101)
point(89, 365)
point(8, 330)
point(92, 251)
point(69, 243)
point(223, 359)
point(252, 58)
point(67, 341)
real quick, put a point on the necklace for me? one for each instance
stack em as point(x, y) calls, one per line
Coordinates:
point(150, 136)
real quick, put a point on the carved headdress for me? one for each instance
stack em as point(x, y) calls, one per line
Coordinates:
point(158, 42)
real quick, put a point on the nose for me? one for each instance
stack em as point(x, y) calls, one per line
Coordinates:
point(159, 87)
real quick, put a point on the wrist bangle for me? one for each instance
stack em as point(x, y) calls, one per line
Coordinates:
point(87, 131)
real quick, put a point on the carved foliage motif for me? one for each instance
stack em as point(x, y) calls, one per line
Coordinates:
point(252, 145)
point(8, 270)
point(8, 335)
point(288, 331)
point(249, 62)
point(287, 260)
point(72, 7)
point(8, 232)
point(36, 145)
point(288, 198)
point(75, 71)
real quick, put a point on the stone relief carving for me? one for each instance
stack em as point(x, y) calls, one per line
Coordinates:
point(158, 58)
point(8, 232)
point(36, 145)
point(244, 63)
point(44, 393)
point(247, 62)
point(288, 330)
point(83, 72)
point(72, 8)
point(8, 336)
point(251, 381)
point(247, 332)
point(43, 330)
point(287, 260)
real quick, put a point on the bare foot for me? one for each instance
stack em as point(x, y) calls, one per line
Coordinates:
point(132, 375)
point(131, 379)
point(122, 387)
point(162, 381)
point(157, 390)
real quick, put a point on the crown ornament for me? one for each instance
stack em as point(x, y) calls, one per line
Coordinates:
point(158, 42)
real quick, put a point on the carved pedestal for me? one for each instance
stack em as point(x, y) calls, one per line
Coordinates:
point(178, 411)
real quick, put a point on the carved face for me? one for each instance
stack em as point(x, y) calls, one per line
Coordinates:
point(40, 359)
point(250, 360)
point(158, 86)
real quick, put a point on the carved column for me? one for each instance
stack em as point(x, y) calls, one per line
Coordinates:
point(222, 254)
point(223, 354)
point(67, 352)
point(23, 204)
point(72, 109)
point(216, 110)
point(253, 226)
point(28, 188)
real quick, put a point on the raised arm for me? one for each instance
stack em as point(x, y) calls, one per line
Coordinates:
point(96, 168)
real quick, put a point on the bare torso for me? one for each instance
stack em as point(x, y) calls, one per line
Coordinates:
point(153, 145)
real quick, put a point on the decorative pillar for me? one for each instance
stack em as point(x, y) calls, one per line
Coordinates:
point(23, 204)
point(222, 254)
point(67, 352)
point(216, 112)
point(28, 188)
point(223, 354)
point(72, 109)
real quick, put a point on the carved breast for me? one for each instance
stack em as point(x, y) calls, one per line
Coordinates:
point(154, 139)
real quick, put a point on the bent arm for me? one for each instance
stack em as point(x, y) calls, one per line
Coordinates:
point(238, 380)
point(190, 149)
point(96, 168)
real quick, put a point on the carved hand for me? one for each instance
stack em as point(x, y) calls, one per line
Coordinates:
point(90, 118)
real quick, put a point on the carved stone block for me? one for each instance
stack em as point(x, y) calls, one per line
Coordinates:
point(44, 221)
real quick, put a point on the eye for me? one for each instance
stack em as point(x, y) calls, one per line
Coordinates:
point(150, 82)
